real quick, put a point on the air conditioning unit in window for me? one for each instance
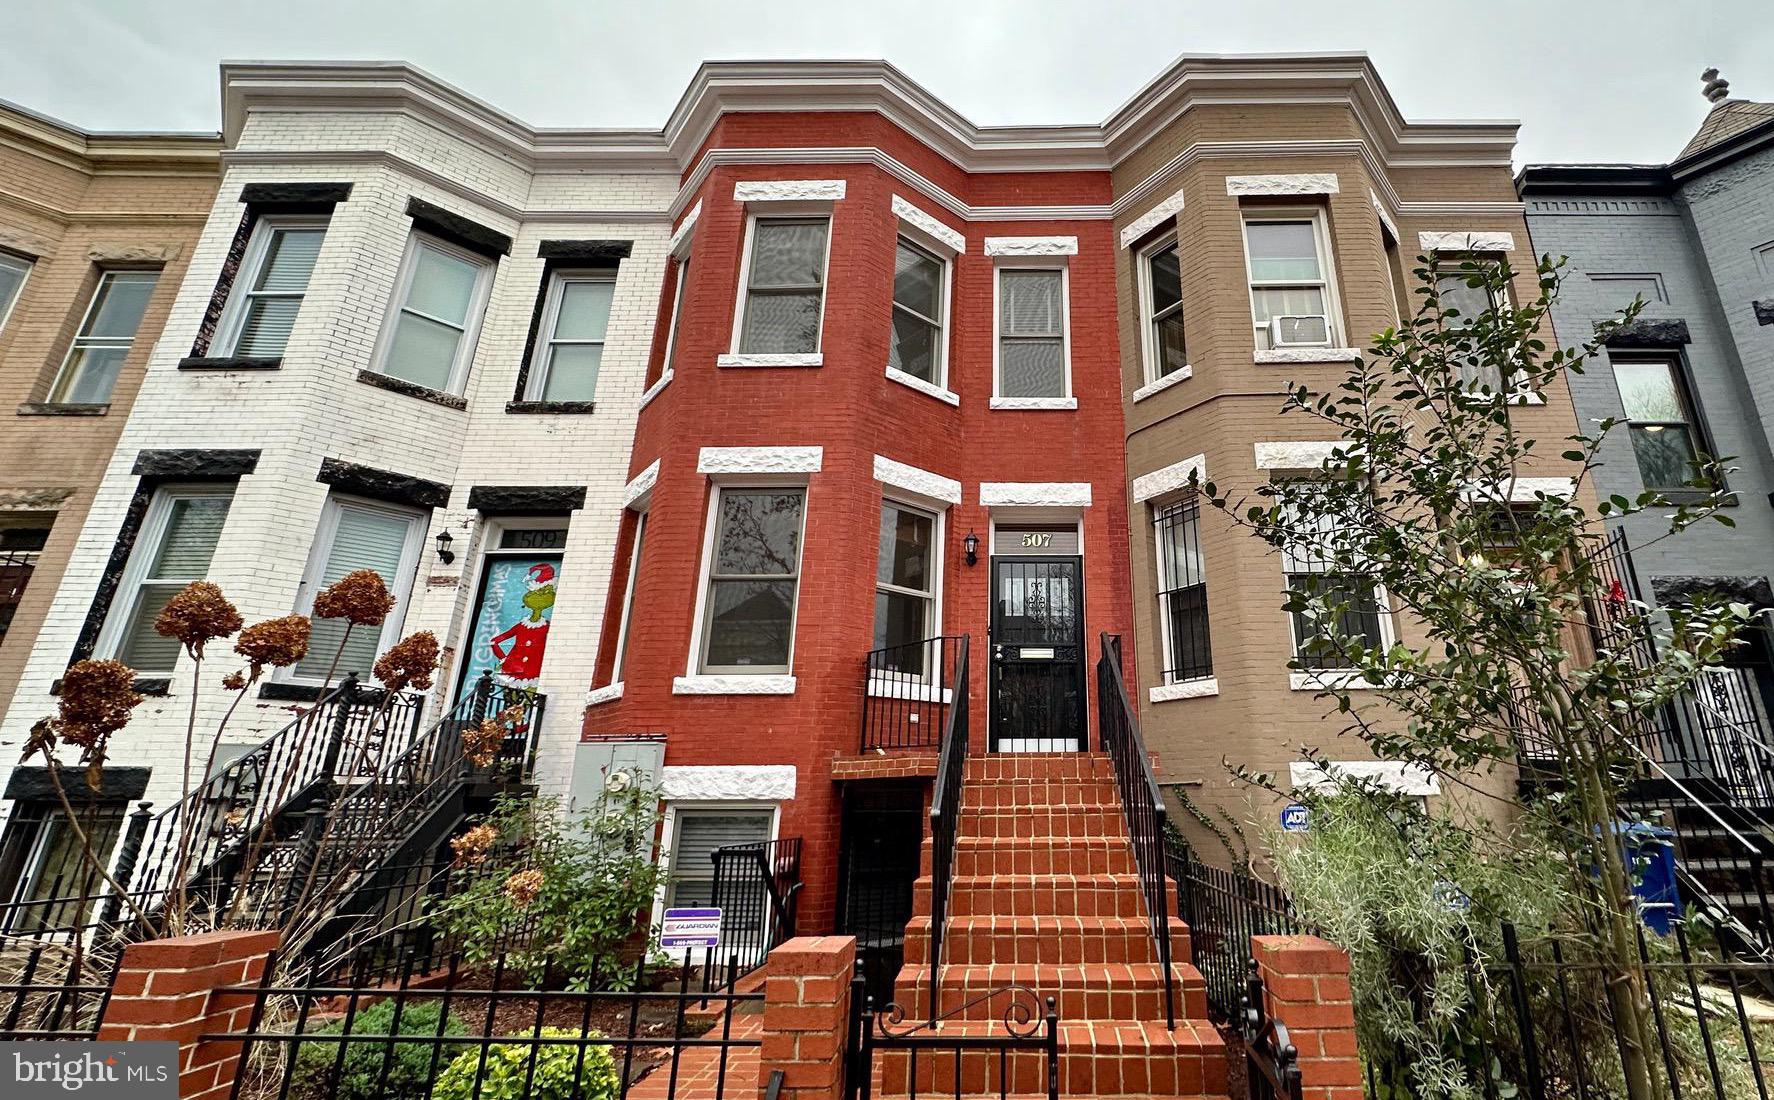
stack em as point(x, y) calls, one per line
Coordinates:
point(1300, 330)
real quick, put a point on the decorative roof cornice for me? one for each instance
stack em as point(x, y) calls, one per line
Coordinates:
point(108, 153)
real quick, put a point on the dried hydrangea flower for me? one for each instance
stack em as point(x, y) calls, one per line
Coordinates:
point(408, 663)
point(473, 846)
point(480, 742)
point(195, 615)
point(96, 699)
point(234, 681)
point(360, 596)
point(523, 886)
point(274, 643)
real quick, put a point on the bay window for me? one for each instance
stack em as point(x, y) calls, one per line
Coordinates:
point(905, 587)
point(753, 579)
point(430, 333)
point(1290, 288)
point(275, 271)
point(1161, 310)
point(570, 350)
point(358, 534)
point(177, 539)
point(1032, 334)
point(785, 286)
point(918, 342)
point(107, 333)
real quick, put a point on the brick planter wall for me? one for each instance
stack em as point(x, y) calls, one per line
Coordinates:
point(807, 1016)
point(1306, 987)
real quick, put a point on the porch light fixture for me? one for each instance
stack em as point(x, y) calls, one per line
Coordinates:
point(971, 545)
point(444, 553)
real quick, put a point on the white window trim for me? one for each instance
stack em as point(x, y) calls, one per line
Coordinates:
point(723, 680)
point(1324, 679)
point(940, 384)
point(1068, 400)
point(234, 313)
point(668, 838)
point(921, 487)
point(1166, 480)
point(636, 545)
point(24, 268)
point(1154, 382)
point(666, 371)
point(107, 277)
point(816, 358)
point(1399, 778)
point(1327, 269)
point(558, 282)
point(477, 307)
point(401, 587)
point(1204, 688)
point(910, 687)
point(153, 529)
point(1466, 240)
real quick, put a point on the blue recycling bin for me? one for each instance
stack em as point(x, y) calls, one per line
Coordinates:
point(1648, 848)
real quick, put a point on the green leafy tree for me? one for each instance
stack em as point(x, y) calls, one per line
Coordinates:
point(1424, 511)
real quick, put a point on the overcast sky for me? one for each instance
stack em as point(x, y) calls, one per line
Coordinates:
point(1591, 80)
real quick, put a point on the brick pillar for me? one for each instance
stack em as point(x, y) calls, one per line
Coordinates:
point(1306, 987)
point(166, 989)
point(807, 1016)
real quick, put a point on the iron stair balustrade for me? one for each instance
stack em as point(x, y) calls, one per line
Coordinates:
point(757, 888)
point(945, 813)
point(1141, 802)
point(907, 690)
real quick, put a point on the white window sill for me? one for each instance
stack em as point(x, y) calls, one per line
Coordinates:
point(909, 690)
point(1528, 399)
point(1035, 403)
point(706, 684)
point(656, 388)
point(607, 694)
point(928, 388)
point(1188, 689)
point(816, 359)
point(1307, 355)
point(1181, 374)
point(1327, 681)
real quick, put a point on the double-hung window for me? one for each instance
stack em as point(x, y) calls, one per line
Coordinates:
point(106, 333)
point(358, 534)
point(1315, 565)
point(1660, 419)
point(669, 362)
point(275, 271)
point(177, 539)
point(696, 835)
point(43, 873)
point(575, 319)
point(1290, 290)
point(1032, 333)
point(13, 270)
point(905, 587)
point(429, 335)
point(1161, 306)
point(785, 286)
point(1466, 303)
point(754, 572)
point(634, 569)
point(1182, 591)
point(918, 343)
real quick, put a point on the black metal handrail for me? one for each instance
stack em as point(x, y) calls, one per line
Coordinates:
point(1224, 908)
point(945, 813)
point(757, 888)
point(1141, 801)
point(907, 690)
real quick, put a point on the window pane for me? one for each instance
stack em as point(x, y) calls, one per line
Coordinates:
point(265, 330)
point(1648, 390)
point(423, 351)
point(1470, 301)
point(1191, 649)
point(1030, 303)
point(913, 349)
point(781, 323)
point(1267, 302)
point(788, 253)
point(1167, 279)
point(193, 527)
point(1179, 547)
point(121, 300)
point(905, 548)
point(1033, 368)
point(585, 310)
point(572, 372)
point(141, 648)
point(760, 533)
point(1282, 251)
point(1173, 354)
point(1359, 621)
point(917, 281)
point(289, 260)
point(12, 276)
point(364, 539)
point(900, 621)
point(749, 623)
point(1665, 455)
point(443, 284)
point(91, 375)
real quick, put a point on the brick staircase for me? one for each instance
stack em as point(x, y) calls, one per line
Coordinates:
point(1046, 895)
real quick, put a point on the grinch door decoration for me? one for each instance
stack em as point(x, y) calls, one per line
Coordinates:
point(510, 630)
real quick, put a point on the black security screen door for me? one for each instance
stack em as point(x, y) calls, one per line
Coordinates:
point(1037, 699)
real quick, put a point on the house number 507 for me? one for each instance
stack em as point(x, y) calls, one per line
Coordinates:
point(1038, 538)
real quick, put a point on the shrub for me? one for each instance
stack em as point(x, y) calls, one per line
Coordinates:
point(563, 1071)
point(360, 1076)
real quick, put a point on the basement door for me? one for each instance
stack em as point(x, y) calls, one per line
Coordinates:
point(1037, 635)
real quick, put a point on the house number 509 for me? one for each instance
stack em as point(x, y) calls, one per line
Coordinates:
point(1038, 538)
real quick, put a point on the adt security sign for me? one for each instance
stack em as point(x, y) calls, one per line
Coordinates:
point(1295, 818)
point(691, 928)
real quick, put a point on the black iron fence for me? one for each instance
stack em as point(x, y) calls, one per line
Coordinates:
point(1141, 802)
point(1017, 1053)
point(757, 888)
point(1271, 1061)
point(465, 1033)
point(1224, 908)
point(907, 691)
point(945, 815)
point(55, 976)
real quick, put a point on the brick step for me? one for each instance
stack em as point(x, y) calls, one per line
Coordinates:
point(1044, 821)
point(1108, 992)
point(1037, 895)
point(1007, 793)
point(1101, 1058)
point(1047, 766)
point(983, 941)
point(1042, 856)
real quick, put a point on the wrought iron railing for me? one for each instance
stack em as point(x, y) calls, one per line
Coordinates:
point(1271, 1061)
point(1224, 908)
point(757, 888)
point(945, 814)
point(907, 691)
point(1141, 802)
point(1027, 1024)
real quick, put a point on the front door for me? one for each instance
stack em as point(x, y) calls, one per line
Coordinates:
point(1037, 680)
point(508, 633)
